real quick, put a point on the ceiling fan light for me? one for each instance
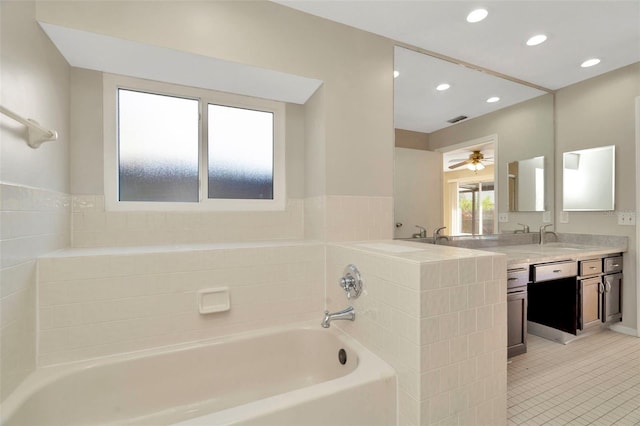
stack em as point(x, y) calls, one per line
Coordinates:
point(477, 15)
point(443, 86)
point(474, 167)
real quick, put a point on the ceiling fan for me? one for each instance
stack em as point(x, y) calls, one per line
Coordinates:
point(474, 162)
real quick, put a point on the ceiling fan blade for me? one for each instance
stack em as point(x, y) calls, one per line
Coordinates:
point(460, 164)
point(456, 160)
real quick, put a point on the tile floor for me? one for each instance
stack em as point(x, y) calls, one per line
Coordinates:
point(591, 381)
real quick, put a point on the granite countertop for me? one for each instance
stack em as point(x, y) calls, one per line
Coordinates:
point(550, 252)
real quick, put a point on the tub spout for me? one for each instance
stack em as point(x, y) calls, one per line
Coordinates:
point(346, 314)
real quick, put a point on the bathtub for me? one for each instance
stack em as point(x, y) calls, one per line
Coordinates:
point(284, 376)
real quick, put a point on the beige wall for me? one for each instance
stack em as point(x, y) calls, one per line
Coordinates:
point(33, 182)
point(358, 154)
point(525, 130)
point(599, 112)
point(411, 139)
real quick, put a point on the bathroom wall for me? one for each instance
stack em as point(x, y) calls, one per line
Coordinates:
point(96, 302)
point(598, 112)
point(412, 140)
point(356, 154)
point(33, 183)
point(438, 316)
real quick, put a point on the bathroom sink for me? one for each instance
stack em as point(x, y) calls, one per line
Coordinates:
point(426, 240)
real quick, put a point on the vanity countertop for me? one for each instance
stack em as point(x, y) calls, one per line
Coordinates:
point(536, 253)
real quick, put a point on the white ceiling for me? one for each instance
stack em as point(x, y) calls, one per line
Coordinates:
point(577, 30)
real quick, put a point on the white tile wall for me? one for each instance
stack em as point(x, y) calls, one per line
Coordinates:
point(97, 302)
point(441, 324)
point(34, 221)
point(351, 218)
point(95, 227)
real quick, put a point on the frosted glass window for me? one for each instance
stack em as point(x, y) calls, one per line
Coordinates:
point(240, 145)
point(157, 147)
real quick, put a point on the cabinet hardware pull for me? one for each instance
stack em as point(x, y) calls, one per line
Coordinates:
point(615, 265)
point(592, 267)
point(607, 287)
point(512, 279)
point(601, 288)
point(557, 270)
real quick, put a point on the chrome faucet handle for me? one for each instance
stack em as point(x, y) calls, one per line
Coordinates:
point(525, 228)
point(351, 281)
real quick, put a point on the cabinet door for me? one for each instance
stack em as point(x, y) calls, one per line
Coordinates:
point(516, 323)
point(591, 305)
point(612, 298)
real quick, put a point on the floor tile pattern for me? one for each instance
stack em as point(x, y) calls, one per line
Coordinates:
point(591, 381)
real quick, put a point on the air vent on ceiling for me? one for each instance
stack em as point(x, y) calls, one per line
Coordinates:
point(458, 118)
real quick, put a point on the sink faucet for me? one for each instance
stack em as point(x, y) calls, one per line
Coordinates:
point(348, 314)
point(525, 229)
point(542, 232)
point(436, 234)
point(421, 234)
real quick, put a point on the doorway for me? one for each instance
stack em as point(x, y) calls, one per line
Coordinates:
point(470, 187)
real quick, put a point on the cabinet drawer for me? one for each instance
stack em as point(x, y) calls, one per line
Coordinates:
point(554, 271)
point(612, 264)
point(517, 276)
point(590, 267)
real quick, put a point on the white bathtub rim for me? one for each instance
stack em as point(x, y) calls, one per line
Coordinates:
point(44, 376)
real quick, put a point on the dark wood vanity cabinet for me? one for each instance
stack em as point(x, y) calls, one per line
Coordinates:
point(599, 287)
point(517, 279)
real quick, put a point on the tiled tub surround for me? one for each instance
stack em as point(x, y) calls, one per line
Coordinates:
point(95, 227)
point(34, 222)
point(103, 301)
point(323, 218)
point(438, 316)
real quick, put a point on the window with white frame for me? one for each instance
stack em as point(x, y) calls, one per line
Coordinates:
point(170, 147)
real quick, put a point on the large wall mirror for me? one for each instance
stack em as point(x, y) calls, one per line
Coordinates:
point(588, 178)
point(520, 123)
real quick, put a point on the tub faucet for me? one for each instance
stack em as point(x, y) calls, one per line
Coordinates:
point(346, 314)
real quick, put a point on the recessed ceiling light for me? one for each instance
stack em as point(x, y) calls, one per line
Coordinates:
point(396, 73)
point(443, 86)
point(477, 15)
point(493, 99)
point(536, 40)
point(590, 62)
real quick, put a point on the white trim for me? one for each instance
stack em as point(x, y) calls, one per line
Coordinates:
point(637, 252)
point(113, 82)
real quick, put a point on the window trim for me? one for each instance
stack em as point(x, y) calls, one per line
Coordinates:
point(111, 84)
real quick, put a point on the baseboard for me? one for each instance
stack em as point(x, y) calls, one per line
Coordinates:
point(624, 330)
